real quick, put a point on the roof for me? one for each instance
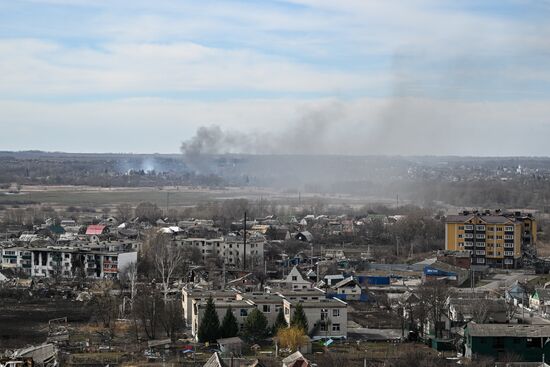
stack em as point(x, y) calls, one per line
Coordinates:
point(320, 303)
point(307, 235)
point(543, 293)
point(214, 361)
point(346, 282)
point(233, 340)
point(95, 229)
point(293, 357)
point(511, 330)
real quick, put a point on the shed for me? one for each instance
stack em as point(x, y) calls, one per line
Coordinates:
point(232, 345)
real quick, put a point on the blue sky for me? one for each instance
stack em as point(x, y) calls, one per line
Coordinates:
point(389, 73)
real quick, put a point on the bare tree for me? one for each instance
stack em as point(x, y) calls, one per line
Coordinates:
point(480, 311)
point(124, 212)
point(167, 260)
point(129, 276)
point(433, 295)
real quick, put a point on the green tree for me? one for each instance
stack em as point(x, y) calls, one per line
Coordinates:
point(209, 328)
point(229, 326)
point(280, 322)
point(255, 325)
point(299, 318)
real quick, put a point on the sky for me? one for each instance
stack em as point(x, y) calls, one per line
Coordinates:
point(408, 77)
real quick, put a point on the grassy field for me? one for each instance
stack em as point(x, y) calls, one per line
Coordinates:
point(62, 196)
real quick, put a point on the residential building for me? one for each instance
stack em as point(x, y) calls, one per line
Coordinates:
point(492, 238)
point(16, 258)
point(540, 300)
point(326, 318)
point(240, 309)
point(231, 248)
point(70, 262)
point(526, 341)
point(295, 280)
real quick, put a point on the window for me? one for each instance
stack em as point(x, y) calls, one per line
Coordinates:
point(324, 314)
point(460, 228)
point(480, 227)
point(499, 229)
point(335, 312)
point(509, 228)
point(508, 237)
point(468, 235)
point(480, 244)
point(323, 326)
point(294, 278)
point(267, 308)
point(460, 236)
point(468, 227)
point(335, 327)
point(287, 311)
point(244, 312)
point(480, 236)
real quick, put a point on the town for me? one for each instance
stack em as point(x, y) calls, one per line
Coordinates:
point(304, 285)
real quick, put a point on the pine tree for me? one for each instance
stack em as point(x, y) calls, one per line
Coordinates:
point(229, 326)
point(209, 328)
point(255, 325)
point(280, 322)
point(299, 318)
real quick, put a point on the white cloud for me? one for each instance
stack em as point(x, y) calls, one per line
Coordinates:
point(360, 126)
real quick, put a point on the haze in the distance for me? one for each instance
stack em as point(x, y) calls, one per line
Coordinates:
point(299, 76)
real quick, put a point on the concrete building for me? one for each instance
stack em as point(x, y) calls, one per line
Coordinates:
point(230, 248)
point(492, 238)
point(70, 262)
point(16, 258)
point(326, 318)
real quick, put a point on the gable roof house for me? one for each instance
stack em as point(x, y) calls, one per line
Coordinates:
point(347, 289)
point(540, 300)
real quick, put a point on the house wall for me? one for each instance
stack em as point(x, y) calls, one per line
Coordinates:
point(336, 314)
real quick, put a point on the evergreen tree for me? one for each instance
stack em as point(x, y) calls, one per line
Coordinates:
point(299, 318)
point(280, 322)
point(209, 328)
point(255, 325)
point(229, 326)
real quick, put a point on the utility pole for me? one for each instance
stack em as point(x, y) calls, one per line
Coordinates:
point(244, 243)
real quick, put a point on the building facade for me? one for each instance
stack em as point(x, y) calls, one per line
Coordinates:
point(491, 238)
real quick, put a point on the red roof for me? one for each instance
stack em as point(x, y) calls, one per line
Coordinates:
point(95, 229)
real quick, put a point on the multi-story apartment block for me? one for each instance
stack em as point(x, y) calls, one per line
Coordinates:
point(66, 262)
point(492, 238)
point(230, 248)
point(327, 317)
point(16, 258)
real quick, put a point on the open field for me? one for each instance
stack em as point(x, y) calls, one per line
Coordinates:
point(174, 197)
